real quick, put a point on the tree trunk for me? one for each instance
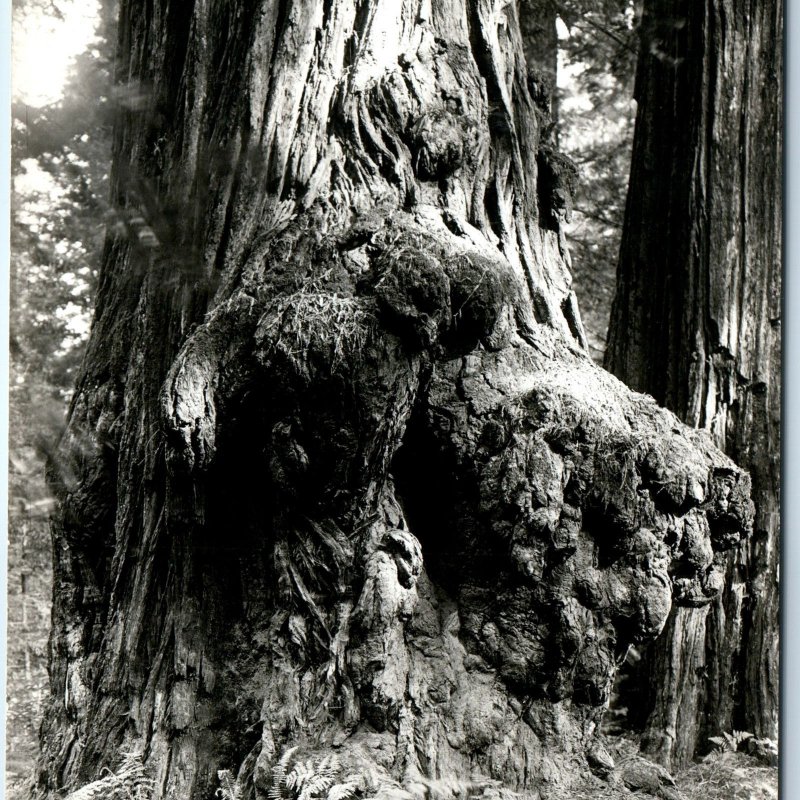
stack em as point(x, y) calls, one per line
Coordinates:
point(696, 323)
point(540, 45)
point(338, 472)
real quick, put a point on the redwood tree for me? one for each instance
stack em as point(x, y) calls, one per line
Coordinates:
point(696, 323)
point(338, 471)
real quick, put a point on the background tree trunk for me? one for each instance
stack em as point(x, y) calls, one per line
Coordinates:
point(696, 323)
point(338, 471)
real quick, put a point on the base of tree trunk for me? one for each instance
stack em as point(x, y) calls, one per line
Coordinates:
point(430, 558)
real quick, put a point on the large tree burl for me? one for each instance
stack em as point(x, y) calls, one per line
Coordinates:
point(509, 518)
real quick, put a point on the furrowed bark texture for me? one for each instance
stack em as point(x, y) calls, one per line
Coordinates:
point(696, 323)
point(540, 45)
point(345, 476)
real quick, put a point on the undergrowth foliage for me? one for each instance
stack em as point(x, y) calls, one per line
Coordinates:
point(312, 779)
point(726, 773)
point(228, 786)
point(129, 782)
point(729, 742)
point(763, 750)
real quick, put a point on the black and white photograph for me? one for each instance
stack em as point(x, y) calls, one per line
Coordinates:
point(395, 400)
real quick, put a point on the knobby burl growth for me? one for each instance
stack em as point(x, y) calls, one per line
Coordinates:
point(472, 522)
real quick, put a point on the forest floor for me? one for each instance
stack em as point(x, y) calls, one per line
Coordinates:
point(719, 776)
point(731, 776)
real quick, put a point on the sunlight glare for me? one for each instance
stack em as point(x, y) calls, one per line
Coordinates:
point(43, 48)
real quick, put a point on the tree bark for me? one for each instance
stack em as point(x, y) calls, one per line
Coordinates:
point(338, 472)
point(696, 323)
point(540, 45)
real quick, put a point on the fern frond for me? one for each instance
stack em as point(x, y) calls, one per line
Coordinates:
point(316, 787)
point(129, 782)
point(279, 770)
point(729, 742)
point(342, 791)
point(229, 788)
point(287, 757)
point(329, 765)
point(302, 772)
